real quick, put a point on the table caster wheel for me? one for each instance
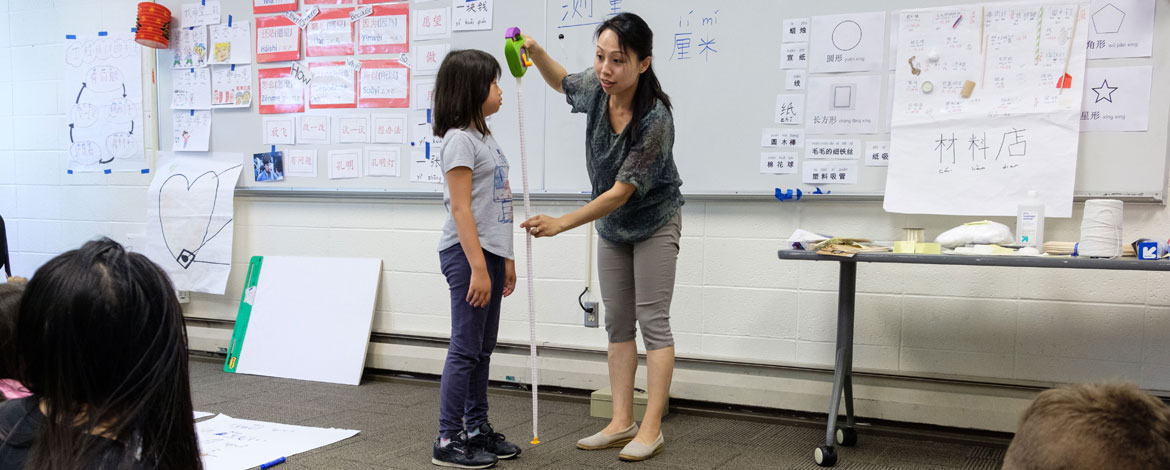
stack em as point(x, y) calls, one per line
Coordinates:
point(825, 456)
point(847, 436)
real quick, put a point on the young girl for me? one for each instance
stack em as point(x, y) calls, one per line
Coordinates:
point(100, 343)
point(475, 253)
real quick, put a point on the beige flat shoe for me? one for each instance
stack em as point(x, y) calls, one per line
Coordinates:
point(636, 451)
point(601, 441)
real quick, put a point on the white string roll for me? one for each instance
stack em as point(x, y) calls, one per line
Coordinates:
point(1101, 228)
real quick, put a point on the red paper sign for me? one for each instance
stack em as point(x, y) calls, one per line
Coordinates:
point(273, 6)
point(277, 39)
point(329, 2)
point(383, 84)
point(330, 33)
point(280, 92)
point(385, 31)
point(334, 85)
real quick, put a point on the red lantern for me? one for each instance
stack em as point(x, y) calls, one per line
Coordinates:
point(154, 25)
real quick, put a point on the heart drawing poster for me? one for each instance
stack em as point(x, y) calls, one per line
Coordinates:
point(190, 218)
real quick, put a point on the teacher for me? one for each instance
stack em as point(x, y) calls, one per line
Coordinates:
point(636, 202)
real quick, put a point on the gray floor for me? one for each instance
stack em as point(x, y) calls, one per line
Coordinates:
point(398, 422)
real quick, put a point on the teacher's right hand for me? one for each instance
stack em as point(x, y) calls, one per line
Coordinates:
point(531, 44)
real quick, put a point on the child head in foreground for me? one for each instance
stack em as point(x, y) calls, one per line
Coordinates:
point(9, 302)
point(100, 342)
point(1092, 426)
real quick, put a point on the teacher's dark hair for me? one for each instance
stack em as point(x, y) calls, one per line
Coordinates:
point(634, 36)
point(101, 341)
point(464, 82)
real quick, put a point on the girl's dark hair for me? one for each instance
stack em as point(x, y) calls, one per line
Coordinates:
point(9, 303)
point(634, 36)
point(464, 82)
point(100, 338)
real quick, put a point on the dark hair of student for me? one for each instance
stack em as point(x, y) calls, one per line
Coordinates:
point(9, 303)
point(101, 339)
point(634, 36)
point(464, 81)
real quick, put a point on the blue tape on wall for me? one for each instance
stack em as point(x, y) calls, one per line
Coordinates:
point(108, 171)
point(103, 33)
point(133, 30)
point(69, 172)
point(145, 170)
point(229, 21)
point(70, 36)
point(428, 150)
point(429, 116)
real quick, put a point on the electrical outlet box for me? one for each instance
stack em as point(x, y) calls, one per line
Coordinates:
point(184, 296)
point(590, 314)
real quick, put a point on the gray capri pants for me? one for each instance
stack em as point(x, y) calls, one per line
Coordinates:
point(637, 283)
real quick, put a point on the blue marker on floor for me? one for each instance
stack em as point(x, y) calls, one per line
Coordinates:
point(272, 464)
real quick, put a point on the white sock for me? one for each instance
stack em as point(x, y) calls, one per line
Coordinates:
point(444, 442)
point(473, 433)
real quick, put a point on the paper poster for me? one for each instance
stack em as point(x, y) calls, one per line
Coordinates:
point(835, 149)
point(789, 109)
point(268, 167)
point(783, 138)
point(278, 39)
point(432, 24)
point(424, 94)
point(384, 84)
point(778, 163)
point(227, 443)
point(382, 161)
point(794, 80)
point(473, 15)
point(189, 47)
point(280, 92)
point(851, 42)
point(189, 218)
point(273, 6)
point(313, 130)
point(1117, 99)
point(794, 30)
point(300, 163)
point(279, 130)
point(334, 85)
point(231, 86)
point(425, 169)
point(231, 45)
point(1120, 28)
point(422, 135)
point(353, 129)
point(192, 130)
point(1019, 128)
point(428, 58)
point(330, 33)
point(345, 163)
point(819, 172)
point(844, 105)
point(385, 31)
point(103, 75)
point(201, 13)
point(192, 89)
point(877, 153)
point(794, 56)
point(389, 129)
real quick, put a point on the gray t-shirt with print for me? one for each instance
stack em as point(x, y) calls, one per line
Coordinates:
point(491, 195)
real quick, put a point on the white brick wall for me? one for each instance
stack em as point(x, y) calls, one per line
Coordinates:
point(734, 299)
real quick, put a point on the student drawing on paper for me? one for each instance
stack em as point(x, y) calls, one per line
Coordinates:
point(186, 137)
point(200, 52)
point(475, 255)
point(223, 51)
point(636, 203)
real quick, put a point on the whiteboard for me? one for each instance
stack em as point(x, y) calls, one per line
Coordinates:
point(722, 101)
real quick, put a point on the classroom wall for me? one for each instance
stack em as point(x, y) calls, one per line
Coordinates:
point(734, 300)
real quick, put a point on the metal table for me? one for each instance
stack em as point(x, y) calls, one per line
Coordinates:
point(826, 455)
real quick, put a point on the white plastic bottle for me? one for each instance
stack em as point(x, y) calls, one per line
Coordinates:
point(1030, 223)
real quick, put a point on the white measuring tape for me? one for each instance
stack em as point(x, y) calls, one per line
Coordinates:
point(528, 247)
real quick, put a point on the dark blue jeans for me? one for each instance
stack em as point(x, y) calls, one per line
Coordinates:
point(463, 392)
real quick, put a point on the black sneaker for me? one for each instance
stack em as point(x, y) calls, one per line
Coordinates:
point(493, 442)
point(459, 454)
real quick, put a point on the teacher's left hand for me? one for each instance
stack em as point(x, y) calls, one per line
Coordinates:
point(543, 226)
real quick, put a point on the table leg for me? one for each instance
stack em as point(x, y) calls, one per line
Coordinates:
point(826, 455)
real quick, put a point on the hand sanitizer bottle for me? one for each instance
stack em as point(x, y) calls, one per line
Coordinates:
point(1030, 223)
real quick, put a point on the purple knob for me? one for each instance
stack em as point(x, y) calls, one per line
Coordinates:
point(512, 33)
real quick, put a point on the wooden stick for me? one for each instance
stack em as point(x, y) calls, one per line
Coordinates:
point(1068, 55)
